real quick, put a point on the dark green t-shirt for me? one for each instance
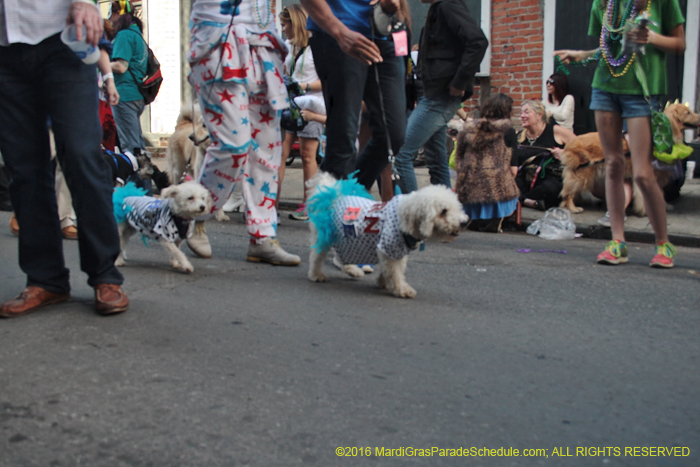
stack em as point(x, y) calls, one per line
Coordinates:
point(667, 14)
point(130, 47)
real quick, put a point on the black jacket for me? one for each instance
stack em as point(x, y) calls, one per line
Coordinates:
point(452, 46)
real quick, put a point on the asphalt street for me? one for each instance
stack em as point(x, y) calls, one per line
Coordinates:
point(243, 364)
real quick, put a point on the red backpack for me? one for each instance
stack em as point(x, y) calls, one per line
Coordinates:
point(150, 84)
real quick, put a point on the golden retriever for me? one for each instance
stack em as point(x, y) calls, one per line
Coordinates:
point(584, 167)
point(181, 147)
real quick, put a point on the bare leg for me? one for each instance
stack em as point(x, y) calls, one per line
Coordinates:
point(640, 149)
point(308, 148)
point(610, 131)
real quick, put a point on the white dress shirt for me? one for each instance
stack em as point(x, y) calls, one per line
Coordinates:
point(32, 21)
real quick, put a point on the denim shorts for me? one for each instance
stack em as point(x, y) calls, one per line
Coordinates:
point(627, 105)
point(312, 130)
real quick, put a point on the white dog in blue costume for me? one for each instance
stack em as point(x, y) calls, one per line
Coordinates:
point(165, 219)
point(361, 230)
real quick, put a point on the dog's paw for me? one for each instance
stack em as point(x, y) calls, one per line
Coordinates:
point(185, 266)
point(353, 270)
point(405, 291)
point(221, 216)
point(576, 210)
point(318, 277)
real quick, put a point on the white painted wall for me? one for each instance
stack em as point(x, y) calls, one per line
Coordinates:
point(164, 40)
point(485, 68)
point(550, 16)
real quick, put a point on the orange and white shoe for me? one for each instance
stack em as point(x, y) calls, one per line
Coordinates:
point(664, 255)
point(615, 253)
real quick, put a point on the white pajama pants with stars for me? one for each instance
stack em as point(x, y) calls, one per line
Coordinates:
point(246, 143)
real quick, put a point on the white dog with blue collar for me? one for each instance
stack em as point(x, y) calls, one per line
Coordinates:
point(345, 217)
point(165, 219)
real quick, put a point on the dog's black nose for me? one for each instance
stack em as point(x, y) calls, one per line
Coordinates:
point(201, 208)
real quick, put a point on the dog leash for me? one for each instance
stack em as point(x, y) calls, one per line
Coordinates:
point(193, 138)
point(395, 177)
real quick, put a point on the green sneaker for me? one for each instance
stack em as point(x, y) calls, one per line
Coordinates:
point(663, 257)
point(300, 214)
point(615, 253)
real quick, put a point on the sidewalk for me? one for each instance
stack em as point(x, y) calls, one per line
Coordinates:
point(683, 218)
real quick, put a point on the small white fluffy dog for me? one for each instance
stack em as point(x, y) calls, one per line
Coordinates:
point(345, 217)
point(165, 219)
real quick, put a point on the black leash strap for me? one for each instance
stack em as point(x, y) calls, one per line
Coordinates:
point(395, 177)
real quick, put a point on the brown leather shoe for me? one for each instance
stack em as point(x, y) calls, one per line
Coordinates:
point(14, 225)
point(110, 299)
point(70, 232)
point(31, 298)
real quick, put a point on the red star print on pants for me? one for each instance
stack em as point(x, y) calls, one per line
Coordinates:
point(226, 96)
point(265, 118)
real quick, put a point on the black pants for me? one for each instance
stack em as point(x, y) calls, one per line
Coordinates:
point(49, 80)
point(546, 189)
point(346, 83)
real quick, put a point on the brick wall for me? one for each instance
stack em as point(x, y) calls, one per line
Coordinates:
point(517, 36)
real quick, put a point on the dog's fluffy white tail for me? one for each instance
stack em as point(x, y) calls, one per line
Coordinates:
point(188, 113)
point(320, 179)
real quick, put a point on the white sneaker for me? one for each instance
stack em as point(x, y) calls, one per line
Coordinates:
point(271, 252)
point(605, 220)
point(234, 203)
point(199, 242)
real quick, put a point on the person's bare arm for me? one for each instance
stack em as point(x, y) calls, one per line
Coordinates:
point(568, 56)
point(673, 43)
point(313, 86)
point(120, 66)
point(105, 68)
point(310, 116)
point(352, 43)
point(562, 136)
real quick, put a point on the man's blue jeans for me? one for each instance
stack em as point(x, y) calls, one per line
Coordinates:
point(126, 118)
point(346, 83)
point(427, 128)
point(49, 80)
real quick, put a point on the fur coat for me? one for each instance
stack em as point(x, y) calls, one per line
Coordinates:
point(483, 163)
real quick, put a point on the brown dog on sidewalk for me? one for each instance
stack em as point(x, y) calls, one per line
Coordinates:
point(584, 167)
point(181, 145)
